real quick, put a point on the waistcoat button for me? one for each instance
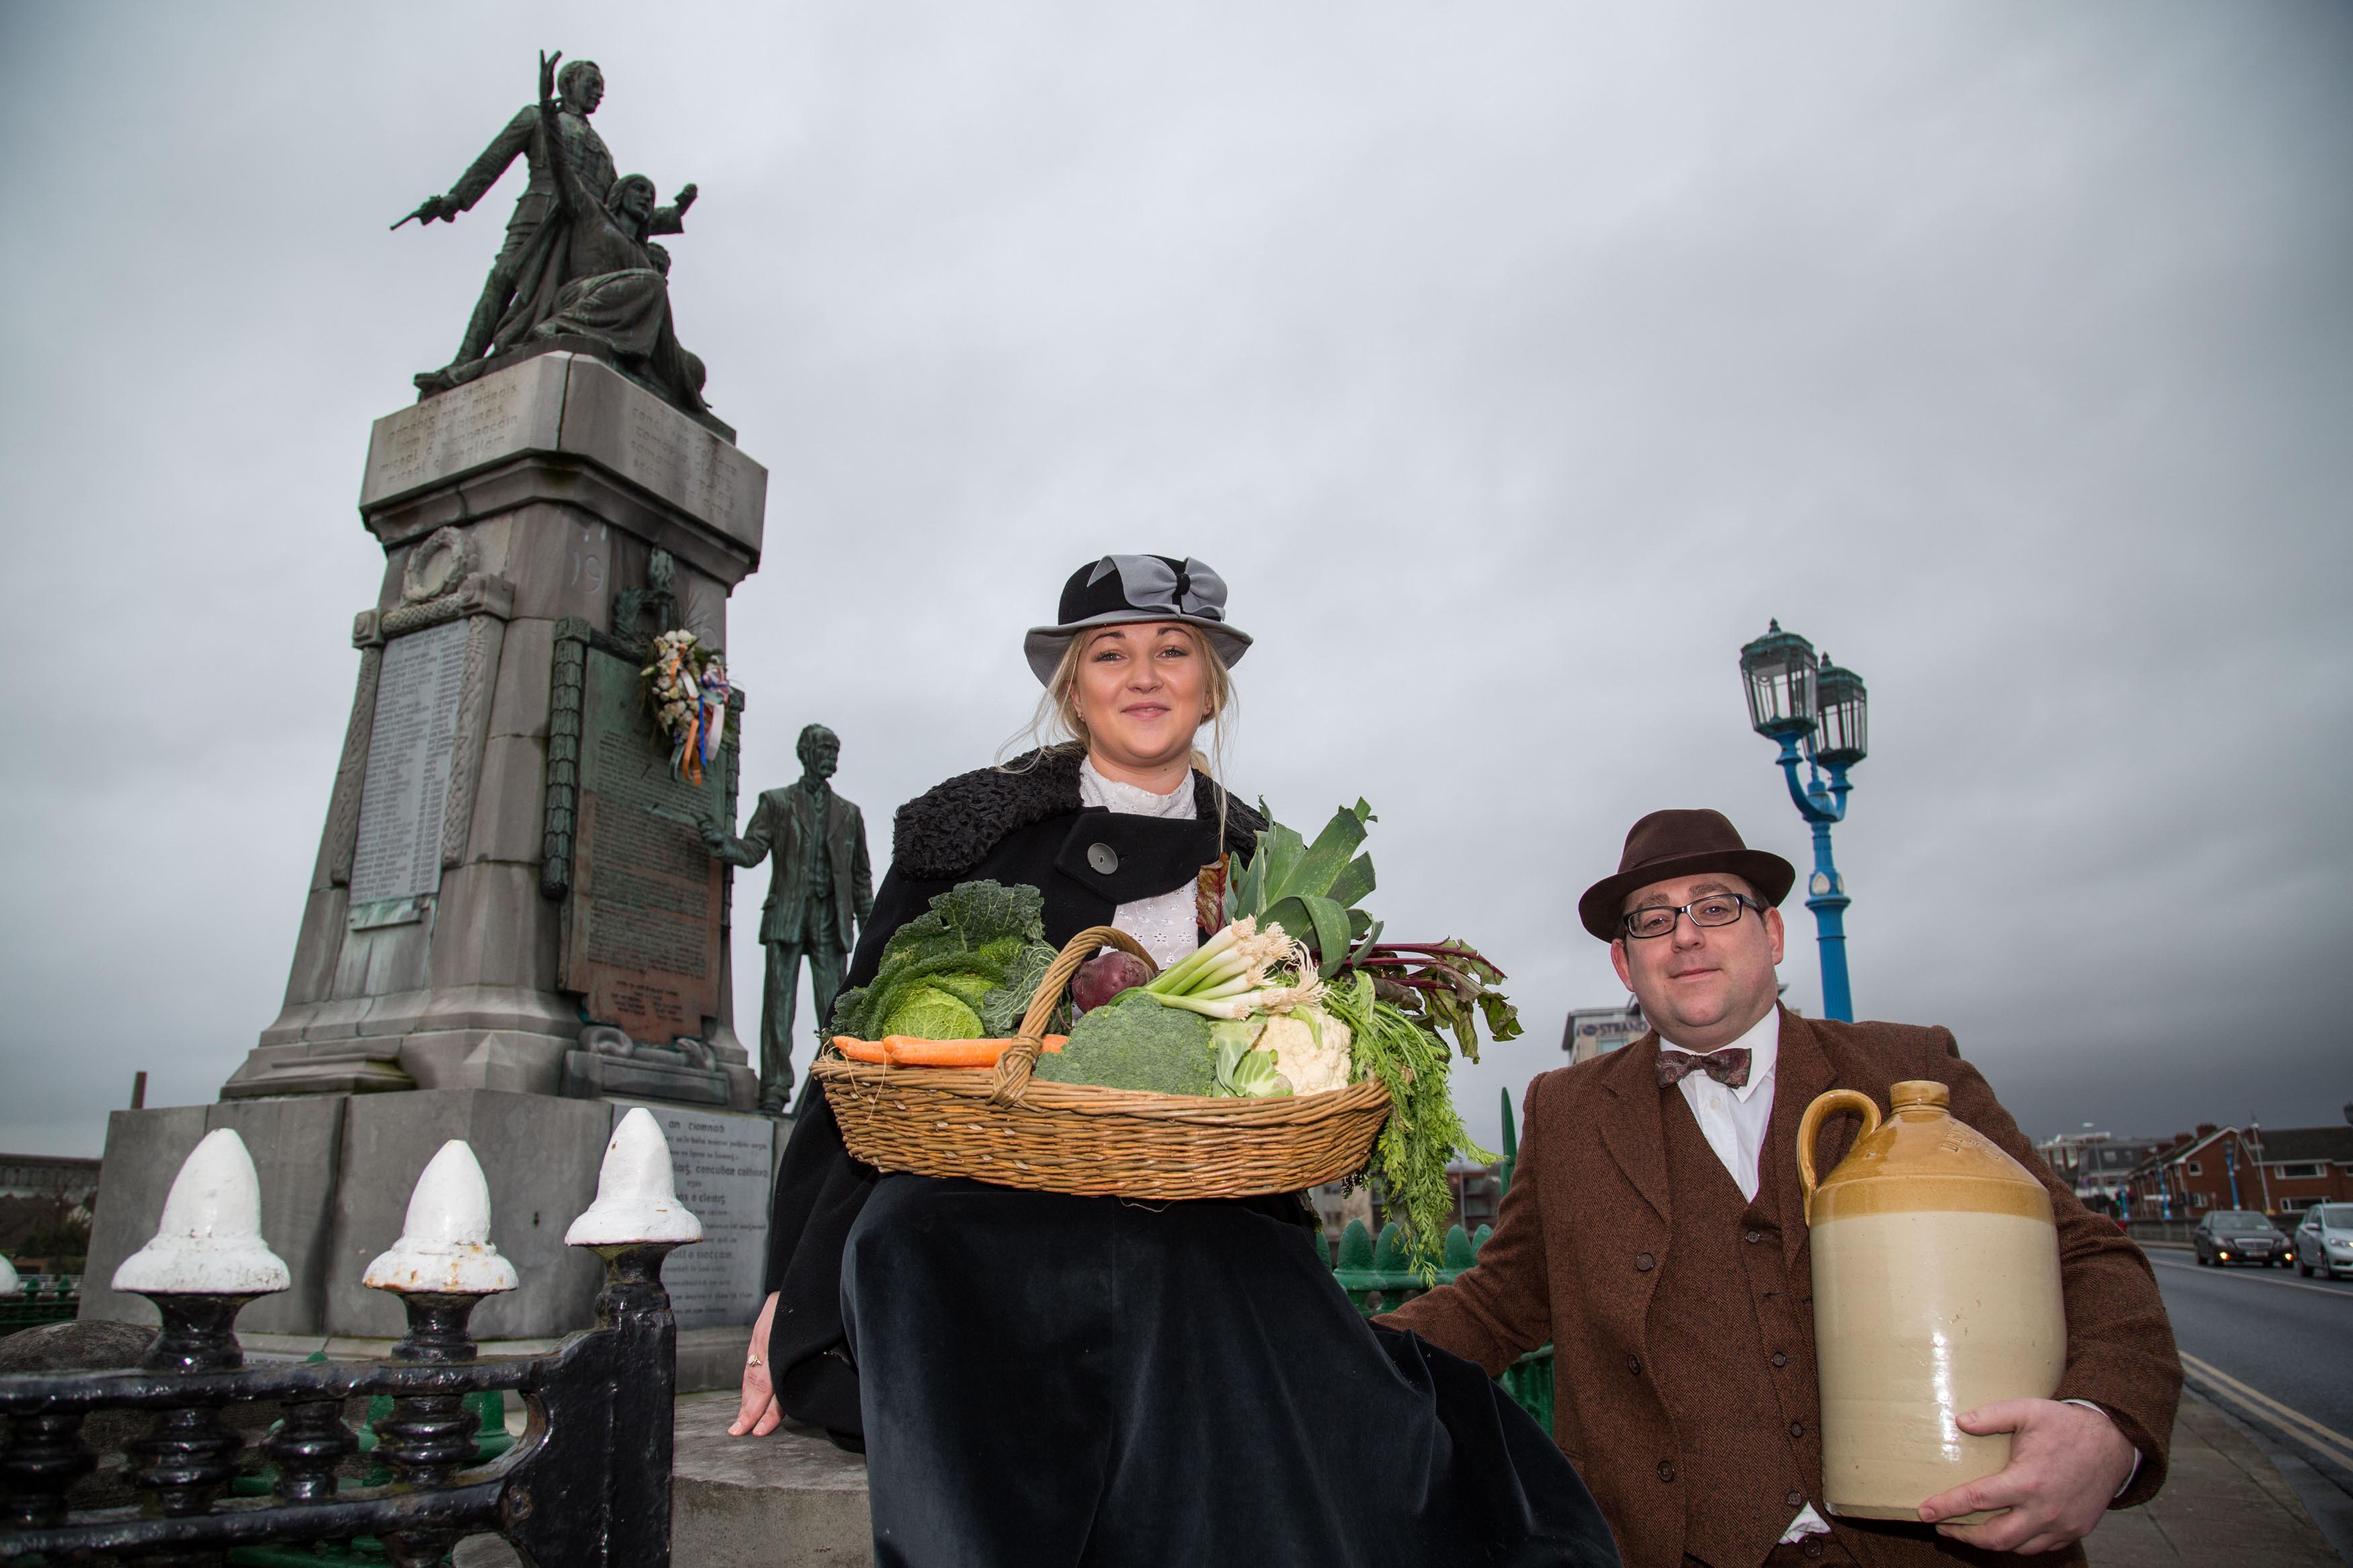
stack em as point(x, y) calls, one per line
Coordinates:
point(1644, 1263)
point(1634, 1365)
point(1780, 1360)
point(1666, 1469)
point(1795, 1499)
point(1753, 1236)
point(1811, 1546)
point(1102, 857)
point(1797, 1428)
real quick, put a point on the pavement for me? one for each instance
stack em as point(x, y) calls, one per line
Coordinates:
point(793, 1499)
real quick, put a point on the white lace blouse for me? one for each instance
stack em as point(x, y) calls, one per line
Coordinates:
point(1164, 925)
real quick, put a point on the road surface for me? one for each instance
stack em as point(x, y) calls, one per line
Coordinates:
point(2276, 1349)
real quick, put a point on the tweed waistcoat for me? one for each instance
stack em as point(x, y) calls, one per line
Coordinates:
point(1745, 1428)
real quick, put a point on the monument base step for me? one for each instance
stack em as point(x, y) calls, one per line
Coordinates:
point(790, 1499)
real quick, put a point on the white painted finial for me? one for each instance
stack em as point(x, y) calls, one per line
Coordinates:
point(9, 1284)
point(637, 1196)
point(445, 1246)
point(209, 1240)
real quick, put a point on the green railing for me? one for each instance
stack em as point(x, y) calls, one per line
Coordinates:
point(1377, 1277)
point(44, 1299)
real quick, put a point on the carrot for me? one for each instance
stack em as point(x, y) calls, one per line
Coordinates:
point(861, 1050)
point(1054, 1042)
point(908, 1052)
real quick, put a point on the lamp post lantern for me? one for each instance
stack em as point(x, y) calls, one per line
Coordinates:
point(1817, 713)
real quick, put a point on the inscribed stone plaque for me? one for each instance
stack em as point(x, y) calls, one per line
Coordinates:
point(722, 1162)
point(613, 421)
point(407, 785)
point(519, 409)
point(641, 931)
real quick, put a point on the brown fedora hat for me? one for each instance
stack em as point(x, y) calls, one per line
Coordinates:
point(1670, 844)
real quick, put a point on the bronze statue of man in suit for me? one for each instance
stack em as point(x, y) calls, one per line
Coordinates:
point(819, 892)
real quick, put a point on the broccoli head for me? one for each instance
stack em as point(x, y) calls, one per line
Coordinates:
point(1134, 1042)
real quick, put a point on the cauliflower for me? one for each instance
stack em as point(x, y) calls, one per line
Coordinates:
point(1310, 1048)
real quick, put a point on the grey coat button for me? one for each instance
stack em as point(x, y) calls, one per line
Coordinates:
point(1644, 1262)
point(1795, 1499)
point(1102, 857)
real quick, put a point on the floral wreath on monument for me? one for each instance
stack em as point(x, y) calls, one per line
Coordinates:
point(686, 687)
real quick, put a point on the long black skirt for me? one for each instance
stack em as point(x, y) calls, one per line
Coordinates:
point(1048, 1379)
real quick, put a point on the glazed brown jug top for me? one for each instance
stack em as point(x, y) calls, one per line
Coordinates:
point(1935, 1262)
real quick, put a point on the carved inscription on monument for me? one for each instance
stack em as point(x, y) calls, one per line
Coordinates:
point(641, 933)
point(515, 410)
point(407, 786)
point(723, 1163)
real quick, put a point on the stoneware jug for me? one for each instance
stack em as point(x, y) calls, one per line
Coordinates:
point(1935, 1290)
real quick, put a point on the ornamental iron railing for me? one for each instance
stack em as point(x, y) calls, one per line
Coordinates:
point(587, 1484)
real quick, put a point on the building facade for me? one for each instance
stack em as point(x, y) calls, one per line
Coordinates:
point(2281, 1171)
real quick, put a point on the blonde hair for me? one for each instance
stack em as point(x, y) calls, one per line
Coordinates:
point(1057, 724)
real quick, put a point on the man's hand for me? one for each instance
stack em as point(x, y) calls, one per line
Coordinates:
point(713, 835)
point(759, 1415)
point(686, 194)
point(432, 209)
point(2066, 1464)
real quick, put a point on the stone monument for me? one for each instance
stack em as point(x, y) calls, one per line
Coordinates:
point(513, 931)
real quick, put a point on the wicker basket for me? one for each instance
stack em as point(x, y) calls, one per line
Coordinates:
point(1008, 1127)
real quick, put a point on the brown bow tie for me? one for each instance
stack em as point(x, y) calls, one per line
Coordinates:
point(1728, 1067)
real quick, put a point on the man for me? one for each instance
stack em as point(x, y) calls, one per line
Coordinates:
point(1655, 1235)
point(524, 261)
point(819, 891)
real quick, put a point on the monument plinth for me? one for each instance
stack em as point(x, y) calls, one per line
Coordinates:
point(498, 721)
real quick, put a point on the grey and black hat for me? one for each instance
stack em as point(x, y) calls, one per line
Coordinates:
point(1120, 590)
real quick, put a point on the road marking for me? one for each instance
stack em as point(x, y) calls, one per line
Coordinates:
point(2304, 1429)
point(2267, 1280)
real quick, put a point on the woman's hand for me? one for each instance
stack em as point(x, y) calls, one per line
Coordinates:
point(759, 1415)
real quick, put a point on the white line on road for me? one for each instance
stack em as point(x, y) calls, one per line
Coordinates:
point(2294, 1423)
point(2266, 1279)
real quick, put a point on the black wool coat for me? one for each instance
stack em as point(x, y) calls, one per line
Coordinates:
point(1021, 823)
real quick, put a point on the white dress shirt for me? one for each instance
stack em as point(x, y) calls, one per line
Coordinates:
point(1166, 925)
point(1734, 1120)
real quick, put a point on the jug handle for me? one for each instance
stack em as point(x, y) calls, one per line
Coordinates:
point(1809, 1127)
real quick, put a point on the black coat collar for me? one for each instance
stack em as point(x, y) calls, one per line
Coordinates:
point(953, 827)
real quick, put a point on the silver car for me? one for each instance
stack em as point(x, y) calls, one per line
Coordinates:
point(2324, 1242)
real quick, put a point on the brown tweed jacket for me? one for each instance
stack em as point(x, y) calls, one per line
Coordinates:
point(1589, 1196)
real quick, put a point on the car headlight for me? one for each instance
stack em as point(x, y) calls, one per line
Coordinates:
point(2336, 1246)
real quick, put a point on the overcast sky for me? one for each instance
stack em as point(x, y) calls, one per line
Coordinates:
point(1512, 363)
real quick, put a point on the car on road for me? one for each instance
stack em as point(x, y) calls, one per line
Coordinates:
point(2324, 1242)
point(2240, 1235)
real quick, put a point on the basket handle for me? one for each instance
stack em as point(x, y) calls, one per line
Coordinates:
point(1013, 1068)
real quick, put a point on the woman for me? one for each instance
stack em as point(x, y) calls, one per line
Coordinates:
point(1042, 1379)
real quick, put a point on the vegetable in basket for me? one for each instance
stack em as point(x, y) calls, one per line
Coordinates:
point(966, 970)
point(1134, 1042)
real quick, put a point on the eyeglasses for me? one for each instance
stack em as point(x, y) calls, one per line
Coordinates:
point(1711, 910)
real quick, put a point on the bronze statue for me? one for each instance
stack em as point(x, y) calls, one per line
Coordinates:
point(821, 891)
point(532, 264)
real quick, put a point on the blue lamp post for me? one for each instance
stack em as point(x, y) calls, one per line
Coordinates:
point(1816, 712)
